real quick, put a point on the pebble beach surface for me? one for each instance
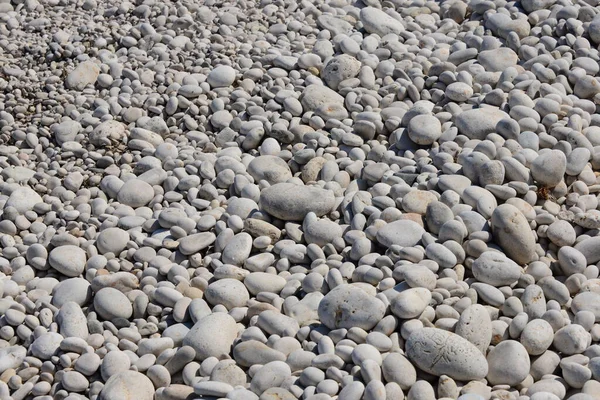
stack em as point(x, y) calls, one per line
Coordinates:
point(315, 200)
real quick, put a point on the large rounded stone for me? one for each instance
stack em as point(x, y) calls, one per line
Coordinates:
point(212, 336)
point(272, 169)
point(512, 232)
point(347, 306)
point(479, 122)
point(404, 232)
point(508, 363)
point(23, 199)
point(110, 303)
point(548, 169)
point(112, 240)
point(127, 385)
point(69, 260)
point(495, 269)
point(291, 202)
point(440, 352)
point(377, 21)
point(135, 193)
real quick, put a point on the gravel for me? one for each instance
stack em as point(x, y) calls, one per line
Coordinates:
point(299, 200)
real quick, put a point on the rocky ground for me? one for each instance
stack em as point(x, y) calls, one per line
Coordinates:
point(328, 199)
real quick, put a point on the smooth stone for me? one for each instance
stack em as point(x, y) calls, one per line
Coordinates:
point(291, 202)
point(72, 321)
point(229, 292)
point(270, 375)
point(587, 301)
point(257, 282)
point(11, 357)
point(424, 129)
point(440, 352)
point(74, 381)
point(23, 199)
point(572, 339)
point(66, 131)
point(561, 233)
point(498, 60)
point(459, 91)
point(252, 352)
point(69, 260)
point(377, 21)
point(475, 325)
point(212, 389)
point(114, 363)
point(77, 290)
point(127, 385)
point(495, 269)
point(410, 303)
point(272, 169)
point(405, 233)
point(135, 193)
point(590, 248)
point(46, 345)
point(84, 74)
point(112, 240)
point(537, 336)
point(508, 363)
point(196, 242)
point(221, 76)
point(512, 232)
point(212, 336)
point(347, 306)
point(237, 250)
point(315, 96)
point(479, 122)
point(397, 368)
point(110, 304)
point(549, 168)
point(571, 261)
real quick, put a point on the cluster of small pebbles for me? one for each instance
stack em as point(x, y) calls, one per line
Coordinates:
point(281, 199)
